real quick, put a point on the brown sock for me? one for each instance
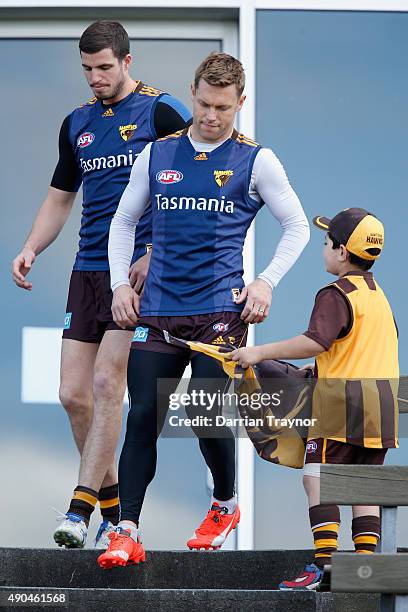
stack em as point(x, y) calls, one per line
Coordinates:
point(325, 523)
point(109, 503)
point(83, 502)
point(366, 533)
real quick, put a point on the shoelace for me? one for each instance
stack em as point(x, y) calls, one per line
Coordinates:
point(116, 540)
point(62, 516)
point(104, 527)
point(214, 516)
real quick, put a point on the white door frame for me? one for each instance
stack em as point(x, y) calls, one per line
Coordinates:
point(245, 49)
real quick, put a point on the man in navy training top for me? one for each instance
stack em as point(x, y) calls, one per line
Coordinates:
point(98, 144)
point(206, 185)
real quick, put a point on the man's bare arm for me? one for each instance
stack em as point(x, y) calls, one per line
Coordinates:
point(48, 223)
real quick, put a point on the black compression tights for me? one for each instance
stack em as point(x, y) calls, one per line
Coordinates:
point(137, 463)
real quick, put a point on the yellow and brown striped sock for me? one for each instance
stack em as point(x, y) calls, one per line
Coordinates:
point(83, 502)
point(366, 533)
point(109, 503)
point(325, 523)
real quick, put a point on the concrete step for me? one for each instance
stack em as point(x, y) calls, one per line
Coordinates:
point(183, 600)
point(63, 568)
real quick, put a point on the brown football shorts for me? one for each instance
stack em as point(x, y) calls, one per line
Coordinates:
point(220, 329)
point(88, 315)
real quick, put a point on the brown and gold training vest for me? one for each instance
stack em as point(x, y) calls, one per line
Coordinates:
point(355, 399)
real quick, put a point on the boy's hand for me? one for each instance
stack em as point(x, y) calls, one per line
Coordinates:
point(258, 296)
point(308, 366)
point(247, 356)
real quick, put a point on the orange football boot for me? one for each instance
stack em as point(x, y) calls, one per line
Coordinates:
point(122, 550)
point(214, 529)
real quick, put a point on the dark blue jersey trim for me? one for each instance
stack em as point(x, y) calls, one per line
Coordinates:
point(252, 201)
point(177, 105)
point(152, 111)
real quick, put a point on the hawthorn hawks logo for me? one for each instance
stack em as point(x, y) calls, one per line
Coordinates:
point(235, 294)
point(222, 177)
point(127, 131)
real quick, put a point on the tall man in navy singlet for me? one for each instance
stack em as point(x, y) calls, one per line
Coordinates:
point(98, 144)
point(206, 185)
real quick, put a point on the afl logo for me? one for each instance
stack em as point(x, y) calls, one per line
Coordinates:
point(311, 447)
point(85, 139)
point(220, 327)
point(169, 176)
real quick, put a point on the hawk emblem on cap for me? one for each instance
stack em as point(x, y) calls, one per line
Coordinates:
point(127, 131)
point(222, 177)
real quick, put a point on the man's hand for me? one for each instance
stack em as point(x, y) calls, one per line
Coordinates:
point(21, 267)
point(138, 272)
point(125, 306)
point(247, 356)
point(258, 296)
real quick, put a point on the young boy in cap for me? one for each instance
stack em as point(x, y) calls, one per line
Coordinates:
point(353, 336)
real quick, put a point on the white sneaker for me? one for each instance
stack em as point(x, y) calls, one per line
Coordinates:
point(102, 537)
point(72, 531)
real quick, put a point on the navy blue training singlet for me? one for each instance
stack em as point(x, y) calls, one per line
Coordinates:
point(106, 141)
point(201, 211)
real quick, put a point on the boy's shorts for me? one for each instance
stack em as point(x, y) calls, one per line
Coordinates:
point(324, 451)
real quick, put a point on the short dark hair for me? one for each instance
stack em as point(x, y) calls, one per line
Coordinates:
point(221, 70)
point(364, 264)
point(105, 35)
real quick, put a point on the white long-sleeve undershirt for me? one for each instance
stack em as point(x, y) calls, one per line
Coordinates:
point(269, 184)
